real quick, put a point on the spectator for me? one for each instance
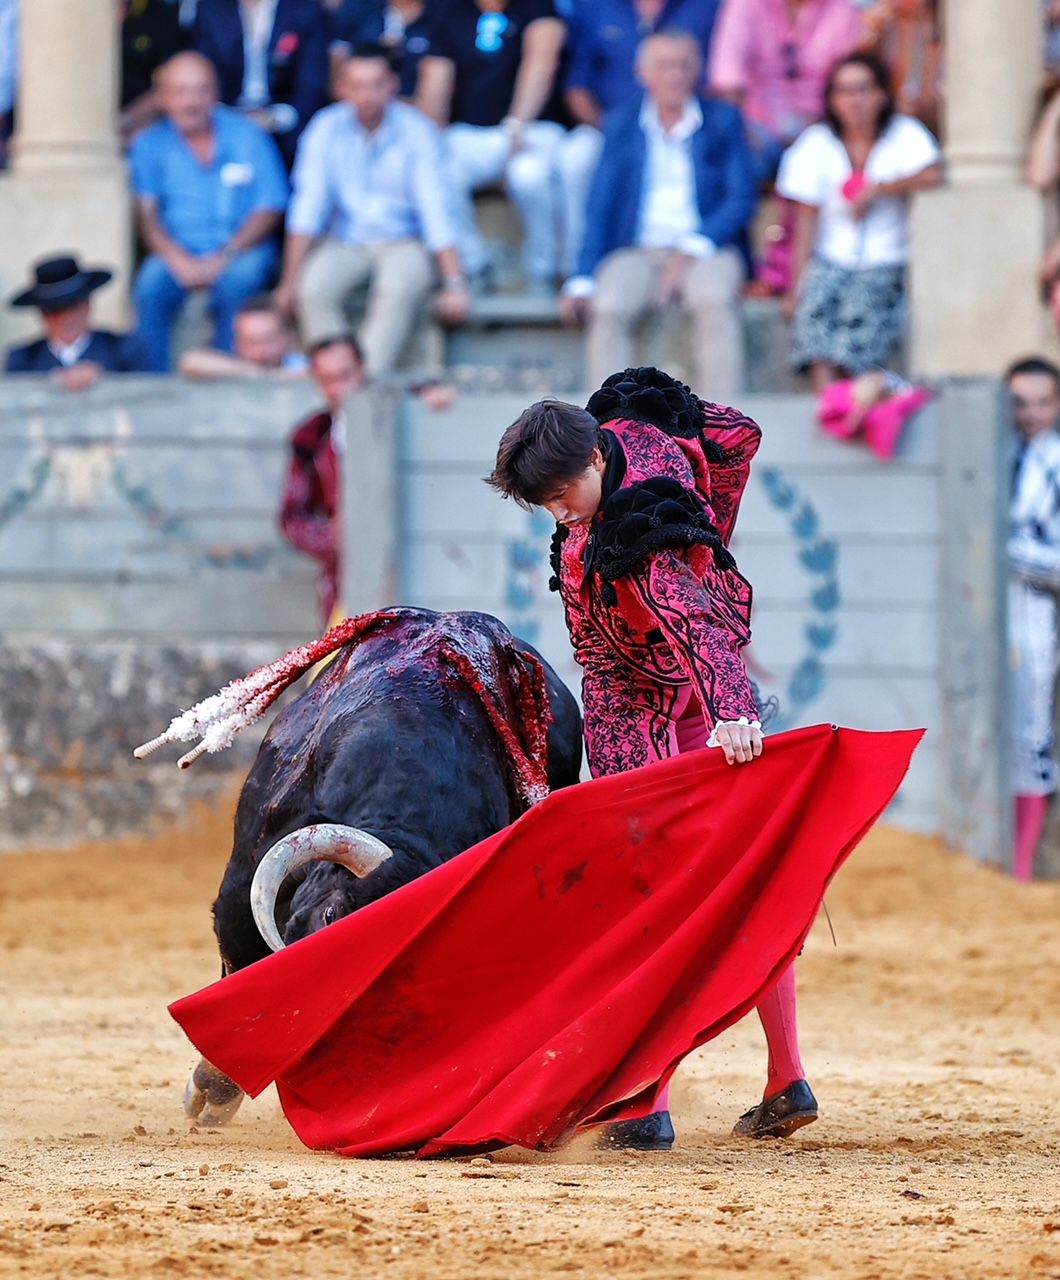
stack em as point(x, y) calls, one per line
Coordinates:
point(210, 192)
point(488, 74)
point(910, 43)
point(400, 26)
point(1034, 557)
point(9, 44)
point(851, 177)
point(271, 58)
point(369, 186)
point(772, 58)
point(312, 496)
point(1051, 20)
point(674, 189)
point(352, 22)
point(601, 78)
point(263, 347)
point(74, 352)
point(152, 32)
point(309, 512)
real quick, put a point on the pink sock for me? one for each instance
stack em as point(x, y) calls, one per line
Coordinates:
point(780, 1022)
point(1030, 818)
point(662, 1099)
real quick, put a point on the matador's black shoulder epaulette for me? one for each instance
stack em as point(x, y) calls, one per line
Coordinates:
point(647, 394)
point(654, 514)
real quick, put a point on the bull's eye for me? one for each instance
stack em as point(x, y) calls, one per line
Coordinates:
point(329, 916)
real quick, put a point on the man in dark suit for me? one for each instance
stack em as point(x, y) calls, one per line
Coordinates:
point(271, 58)
point(674, 190)
point(71, 348)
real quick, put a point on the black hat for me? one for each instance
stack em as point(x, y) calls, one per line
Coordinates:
point(60, 283)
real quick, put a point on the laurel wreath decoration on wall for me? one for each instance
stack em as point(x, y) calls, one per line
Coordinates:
point(525, 570)
point(820, 557)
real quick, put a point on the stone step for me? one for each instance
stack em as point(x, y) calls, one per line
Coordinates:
point(515, 331)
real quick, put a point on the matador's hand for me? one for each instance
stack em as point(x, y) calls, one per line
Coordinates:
point(741, 742)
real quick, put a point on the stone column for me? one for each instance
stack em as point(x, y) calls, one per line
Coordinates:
point(68, 87)
point(66, 189)
point(977, 243)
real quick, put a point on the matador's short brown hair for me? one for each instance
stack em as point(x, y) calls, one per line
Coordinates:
point(547, 446)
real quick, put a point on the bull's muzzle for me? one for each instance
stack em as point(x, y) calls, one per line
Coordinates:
point(350, 847)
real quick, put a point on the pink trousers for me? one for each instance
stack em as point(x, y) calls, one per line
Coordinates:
point(778, 1009)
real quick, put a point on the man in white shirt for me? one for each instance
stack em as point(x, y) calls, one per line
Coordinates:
point(1034, 561)
point(369, 211)
point(674, 189)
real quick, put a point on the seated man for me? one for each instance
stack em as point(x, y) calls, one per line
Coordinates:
point(674, 189)
point(263, 347)
point(71, 349)
point(600, 78)
point(271, 58)
point(369, 208)
point(210, 192)
point(488, 74)
point(400, 26)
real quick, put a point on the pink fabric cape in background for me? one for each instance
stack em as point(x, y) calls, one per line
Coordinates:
point(552, 976)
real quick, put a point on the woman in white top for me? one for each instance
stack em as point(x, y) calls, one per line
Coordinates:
point(850, 178)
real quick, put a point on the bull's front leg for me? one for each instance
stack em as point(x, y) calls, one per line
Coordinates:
point(210, 1097)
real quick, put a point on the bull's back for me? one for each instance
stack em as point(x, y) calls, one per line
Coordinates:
point(392, 739)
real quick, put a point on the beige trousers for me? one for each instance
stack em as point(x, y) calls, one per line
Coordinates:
point(710, 295)
point(398, 274)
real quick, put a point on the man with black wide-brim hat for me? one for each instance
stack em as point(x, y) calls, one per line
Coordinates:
point(70, 347)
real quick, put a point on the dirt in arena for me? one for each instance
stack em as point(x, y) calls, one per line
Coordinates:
point(930, 1035)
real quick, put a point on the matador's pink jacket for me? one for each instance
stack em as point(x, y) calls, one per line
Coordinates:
point(656, 610)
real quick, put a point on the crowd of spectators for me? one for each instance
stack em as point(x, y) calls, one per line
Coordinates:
point(331, 151)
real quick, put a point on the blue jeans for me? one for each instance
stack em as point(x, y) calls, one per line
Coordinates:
point(159, 297)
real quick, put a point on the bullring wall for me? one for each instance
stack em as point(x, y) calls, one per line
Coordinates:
point(140, 566)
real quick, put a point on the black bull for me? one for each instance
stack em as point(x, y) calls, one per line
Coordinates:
point(428, 735)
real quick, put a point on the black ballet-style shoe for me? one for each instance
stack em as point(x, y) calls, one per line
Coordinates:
point(648, 1133)
point(780, 1115)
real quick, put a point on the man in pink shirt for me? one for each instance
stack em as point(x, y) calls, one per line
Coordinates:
point(772, 58)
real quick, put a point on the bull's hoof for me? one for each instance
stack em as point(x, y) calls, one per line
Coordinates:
point(210, 1098)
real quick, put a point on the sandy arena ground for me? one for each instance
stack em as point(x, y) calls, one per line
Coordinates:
point(931, 1038)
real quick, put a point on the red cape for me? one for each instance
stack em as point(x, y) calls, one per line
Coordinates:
point(553, 975)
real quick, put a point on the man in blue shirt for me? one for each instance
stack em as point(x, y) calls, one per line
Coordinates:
point(369, 209)
point(210, 192)
point(604, 35)
point(672, 193)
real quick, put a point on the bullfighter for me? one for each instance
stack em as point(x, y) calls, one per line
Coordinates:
point(645, 484)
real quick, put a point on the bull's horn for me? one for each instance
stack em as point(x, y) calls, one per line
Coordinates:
point(323, 842)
